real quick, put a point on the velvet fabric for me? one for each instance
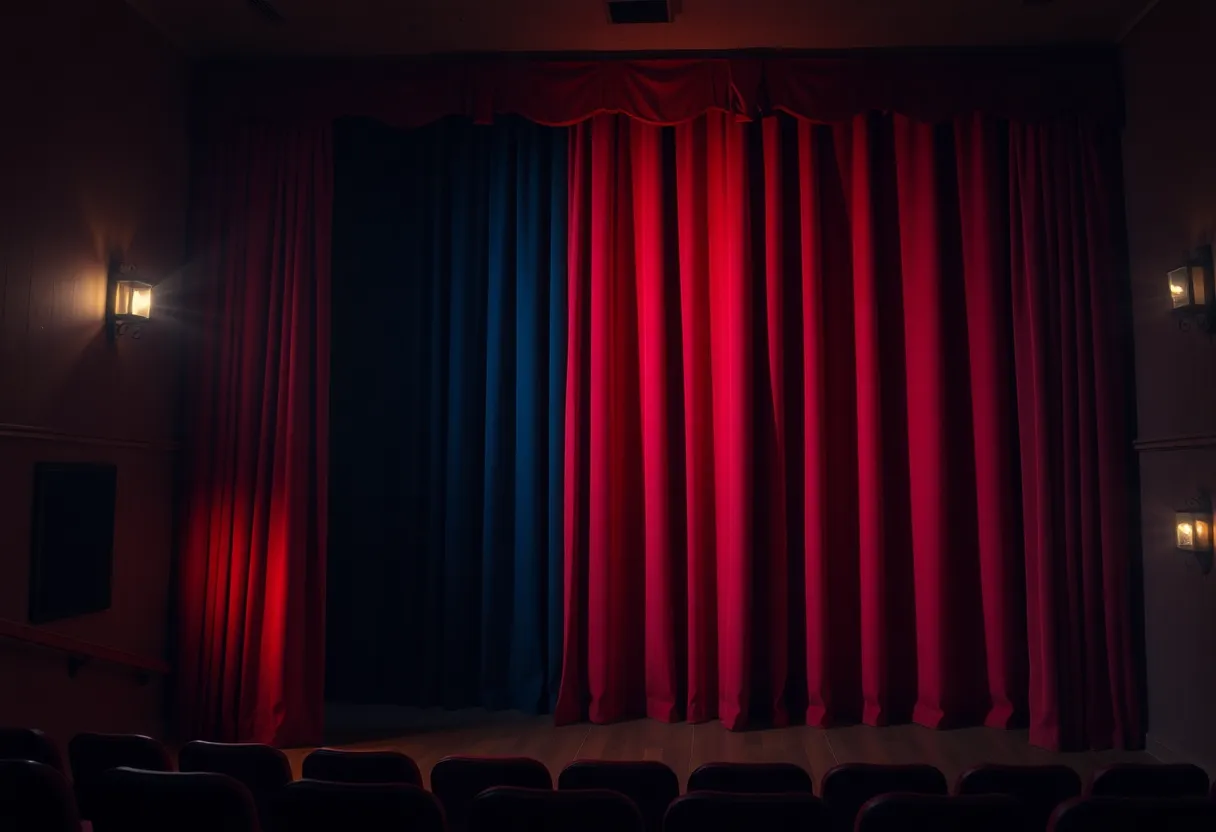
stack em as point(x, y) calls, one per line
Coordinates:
point(448, 397)
point(251, 613)
point(832, 431)
point(843, 428)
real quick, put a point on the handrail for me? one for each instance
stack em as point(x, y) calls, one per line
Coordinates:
point(40, 434)
point(79, 651)
point(1176, 443)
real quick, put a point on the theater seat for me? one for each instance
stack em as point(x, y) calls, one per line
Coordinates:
point(1121, 814)
point(131, 800)
point(847, 787)
point(1040, 788)
point(727, 812)
point(942, 813)
point(751, 778)
point(1149, 780)
point(457, 780)
point(262, 769)
point(92, 755)
point(30, 744)
point(323, 806)
point(651, 785)
point(35, 798)
point(339, 766)
point(506, 809)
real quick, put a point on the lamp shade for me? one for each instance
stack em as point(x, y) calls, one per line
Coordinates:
point(1191, 285)
point(1180, 287)
point(132, 300)
point(1193, 530)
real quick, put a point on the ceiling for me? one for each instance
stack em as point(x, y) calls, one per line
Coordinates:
point(399, 27)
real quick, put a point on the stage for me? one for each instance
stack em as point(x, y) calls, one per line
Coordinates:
point(428, 735)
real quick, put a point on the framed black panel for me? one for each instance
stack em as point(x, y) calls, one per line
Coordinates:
point(72, 540)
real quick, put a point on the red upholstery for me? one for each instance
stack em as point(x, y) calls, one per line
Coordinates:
point(508, 809)
point(900, 812)
point(322, 806)
point(30, 744)
point(726, 812)
point(35, 798)
point(751, 778)
point(457, 780)
point(1040, 788)
point(1114, 814)
point(1149, 780)
point(651, 785)
point(361, 767)
point(92, 755)
point(846, 788)
point(131, 800)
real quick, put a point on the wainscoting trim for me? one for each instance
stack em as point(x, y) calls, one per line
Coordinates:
point(30, 433)
point(1176, 443)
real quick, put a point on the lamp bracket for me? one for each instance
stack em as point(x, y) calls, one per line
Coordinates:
point(1202, 500)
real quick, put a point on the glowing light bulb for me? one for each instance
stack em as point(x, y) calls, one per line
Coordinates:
point(1186, 535)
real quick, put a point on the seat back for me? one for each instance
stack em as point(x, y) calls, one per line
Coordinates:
point(506, 809)
point(457, 780)
point(131, 800)
point(1149, 780)
point(262, 769)
point(733, 812)
point(35, 798)
point(848, 787)
point(339, 766)
point(323, 806)
point(751, 778)
point(942, 813)
point(91, 755)
point(1040, 788)
point(30, 744)
point(651, 785)
point(1115, 814)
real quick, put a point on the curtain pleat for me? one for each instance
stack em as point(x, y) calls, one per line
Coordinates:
point(833, 433)
point(449, 382)
point(251, 605)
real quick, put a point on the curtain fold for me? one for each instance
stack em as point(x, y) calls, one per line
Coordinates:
point(252, 574)
point(1066, 241)
point(449, 369)
point(832, 426)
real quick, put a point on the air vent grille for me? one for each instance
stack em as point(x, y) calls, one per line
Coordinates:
point(267, 10)
point(639, 11)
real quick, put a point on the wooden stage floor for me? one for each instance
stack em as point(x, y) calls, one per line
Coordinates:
point(428, 735)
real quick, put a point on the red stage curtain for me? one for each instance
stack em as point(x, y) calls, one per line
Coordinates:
point(251, 660)
point(842, 436)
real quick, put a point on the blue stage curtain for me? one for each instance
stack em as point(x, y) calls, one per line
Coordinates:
point(448, 374)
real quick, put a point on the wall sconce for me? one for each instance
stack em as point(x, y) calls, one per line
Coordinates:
point(1193, 529)
point(1191, 292)
point(130, 302)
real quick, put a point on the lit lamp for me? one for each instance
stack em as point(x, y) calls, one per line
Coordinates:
point(131, 302)
point(1191, 291)
point(1193, 530)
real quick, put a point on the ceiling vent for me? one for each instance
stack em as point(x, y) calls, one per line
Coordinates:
point(639, 11)
point(267, 10)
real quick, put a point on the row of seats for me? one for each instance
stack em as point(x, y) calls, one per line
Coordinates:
point(125, 782)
